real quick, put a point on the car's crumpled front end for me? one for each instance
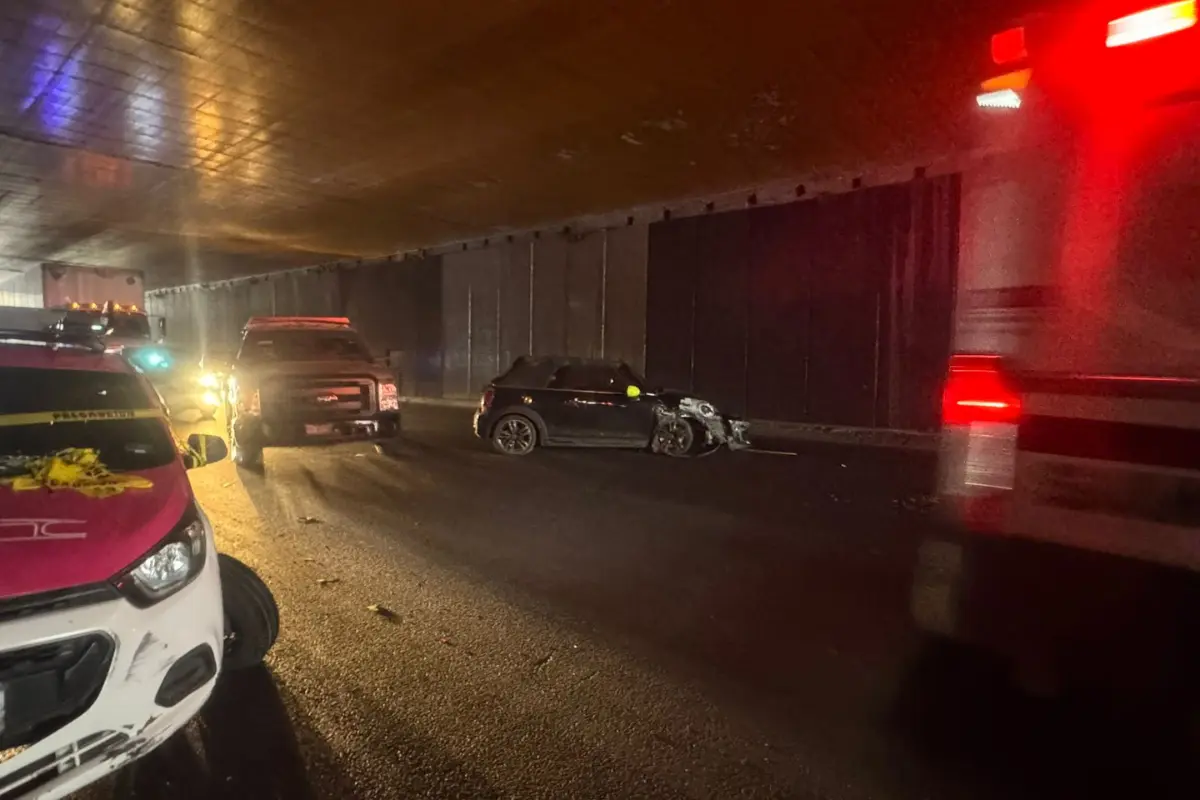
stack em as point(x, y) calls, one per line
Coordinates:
point(95, 676)
point(719, 429)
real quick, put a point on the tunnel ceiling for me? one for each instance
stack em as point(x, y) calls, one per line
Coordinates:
point(203, 139)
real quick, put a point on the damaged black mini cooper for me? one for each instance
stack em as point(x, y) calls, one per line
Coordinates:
point(573, 402)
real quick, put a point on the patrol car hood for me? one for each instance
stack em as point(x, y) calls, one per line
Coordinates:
point(60, 539)
point(280, 369)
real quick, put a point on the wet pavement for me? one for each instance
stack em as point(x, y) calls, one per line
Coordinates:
point(606, 624)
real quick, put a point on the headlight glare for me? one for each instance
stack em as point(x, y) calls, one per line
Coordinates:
point(169, 567)
point(165, 568)
point(209, 381)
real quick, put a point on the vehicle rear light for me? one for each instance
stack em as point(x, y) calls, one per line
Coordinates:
point(976, 391)
point(1151, 23)
point(1009, 46)
point(1002, 98)
point(485, 402)
point(980, 401)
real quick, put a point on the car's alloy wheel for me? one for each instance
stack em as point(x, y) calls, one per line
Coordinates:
point(675, 438)
point(514, 436)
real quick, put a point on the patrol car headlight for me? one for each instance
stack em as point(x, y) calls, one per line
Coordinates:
point(170, 566)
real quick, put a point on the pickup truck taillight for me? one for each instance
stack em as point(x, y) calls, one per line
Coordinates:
point(981, 410)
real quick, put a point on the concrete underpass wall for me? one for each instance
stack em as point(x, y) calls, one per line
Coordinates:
point(835, 310)
point(450, 322)
point(578, 294)
point(832, 311)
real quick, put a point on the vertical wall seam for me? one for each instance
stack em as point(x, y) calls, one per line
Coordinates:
point(604, 294)
point(531, 279)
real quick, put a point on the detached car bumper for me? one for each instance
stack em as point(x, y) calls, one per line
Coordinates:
point(256, 431)
point(108, 680)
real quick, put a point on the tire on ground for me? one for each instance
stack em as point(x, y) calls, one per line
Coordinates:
point(504, 424)
point(251, 615)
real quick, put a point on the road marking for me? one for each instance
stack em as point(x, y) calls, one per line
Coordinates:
point(769, 452)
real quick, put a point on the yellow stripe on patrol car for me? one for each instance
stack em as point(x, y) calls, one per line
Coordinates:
point(53, 417)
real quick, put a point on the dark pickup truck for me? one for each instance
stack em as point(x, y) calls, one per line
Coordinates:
point(302, 381)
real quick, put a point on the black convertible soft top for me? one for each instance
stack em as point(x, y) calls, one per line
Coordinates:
point(536, 371)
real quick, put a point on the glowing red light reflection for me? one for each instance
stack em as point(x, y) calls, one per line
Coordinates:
point(1150, 24)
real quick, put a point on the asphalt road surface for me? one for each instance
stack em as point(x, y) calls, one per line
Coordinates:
point(602, 624)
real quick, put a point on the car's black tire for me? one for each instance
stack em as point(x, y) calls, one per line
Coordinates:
point(676, 438)
point(251, 615)
point(514, 435)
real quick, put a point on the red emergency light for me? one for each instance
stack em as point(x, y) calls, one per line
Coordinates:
point(1151, 23)
point(1008, 46)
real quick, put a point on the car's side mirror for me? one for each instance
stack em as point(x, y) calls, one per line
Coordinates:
point(204, 449)
point(633, 391)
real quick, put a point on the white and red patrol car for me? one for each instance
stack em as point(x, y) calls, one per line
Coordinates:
point(116, 613)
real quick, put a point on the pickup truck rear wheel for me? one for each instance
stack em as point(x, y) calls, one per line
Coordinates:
point(251, 615)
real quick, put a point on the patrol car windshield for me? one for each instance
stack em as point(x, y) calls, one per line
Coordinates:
point(89, 408)
point(302, 344)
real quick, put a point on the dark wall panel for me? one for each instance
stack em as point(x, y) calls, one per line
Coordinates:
point(830, 311)
point(549, 295)
point(422, 374)
point(456, 326)
point(485, 317)
point(923, 290)
point(585, 273)
point(779, 284)
point(720, 289)
point(515, 330)
point(846, 298)
point(670, 302)
point(624, 319)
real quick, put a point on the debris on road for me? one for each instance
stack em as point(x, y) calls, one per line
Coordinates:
point(327, 581)
point(383, 611)
point(304, 520)
point(919, 503)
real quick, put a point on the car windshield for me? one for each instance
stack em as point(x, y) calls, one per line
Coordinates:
point(129, 326)
point(122, 444)
point(303, 345)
